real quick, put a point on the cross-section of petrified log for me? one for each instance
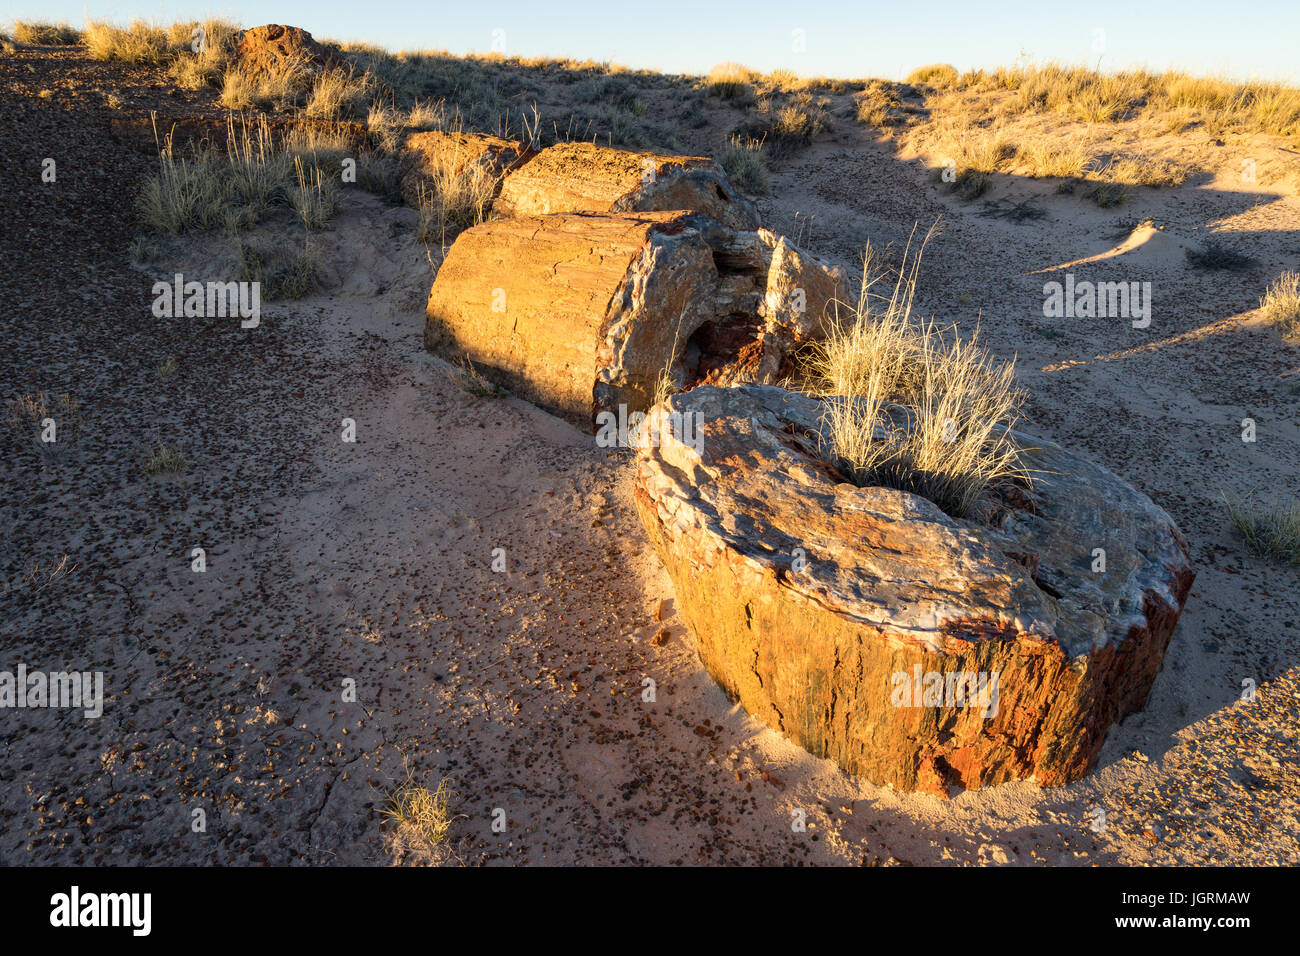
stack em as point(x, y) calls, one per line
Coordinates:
point(429, 156)
point(581, 313)
point(913, 648)
point(584, 177)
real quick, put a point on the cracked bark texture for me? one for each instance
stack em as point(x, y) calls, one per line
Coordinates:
point(806, 595)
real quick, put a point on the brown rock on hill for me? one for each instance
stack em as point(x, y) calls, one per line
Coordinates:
point(429, 154)
point(273, 47)
point(580, 313)
point(584, 177)
point(833, 612)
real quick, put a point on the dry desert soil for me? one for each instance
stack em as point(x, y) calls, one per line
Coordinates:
point(370, 562)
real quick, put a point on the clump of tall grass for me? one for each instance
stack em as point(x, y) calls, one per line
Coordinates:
point(940, 76)
point(731, 81)
point(454, 191)
point(911, 408)
point(205, 50)
point(1269, 529)
point(424, 813)
point(973, 154)
point(1281, 303)
point(257, 175)
point(46, 34)
point(139, 42)
point(336, 94)
point(289, 84)
point(165, 459)
point(745, 163)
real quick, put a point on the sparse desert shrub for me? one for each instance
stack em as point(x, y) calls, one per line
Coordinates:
point(940, 76)
point(731, 81)
point(908, 408)
point(167, 368)
point(1281, 304)
point(878, 104)
point(746, 165)
point(786, 129)
point(1269, 529)
point(386, 126)
point(46, 34)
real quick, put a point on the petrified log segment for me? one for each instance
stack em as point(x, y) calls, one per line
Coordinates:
point(274, 47)
point(458, 153)
point(584, 177)
point(813, 641)
point(580, 313)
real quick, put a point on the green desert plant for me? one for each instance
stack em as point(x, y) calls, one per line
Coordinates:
point(746, 165)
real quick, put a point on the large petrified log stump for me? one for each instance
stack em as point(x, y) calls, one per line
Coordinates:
point(428, 155)
point(584, 177)
point(580, 313)
point(913, 648)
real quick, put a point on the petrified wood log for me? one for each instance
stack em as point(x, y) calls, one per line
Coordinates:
point(580, 312)
point(914, 649)
point(584, 177)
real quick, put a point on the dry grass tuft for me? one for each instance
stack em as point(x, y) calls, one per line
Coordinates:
point(731, 81)
point(940, 76)
point(908, 408)
point(1281, 303)
point(745, 162)
point(1269, 529)
point(140, 42)
point(455, 193)
point(165, 459)
point(425, 814)
point(46, 34)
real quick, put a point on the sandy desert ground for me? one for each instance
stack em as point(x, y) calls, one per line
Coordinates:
point(371, 561)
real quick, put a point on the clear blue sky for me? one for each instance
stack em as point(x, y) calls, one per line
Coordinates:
point(1244, 39)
